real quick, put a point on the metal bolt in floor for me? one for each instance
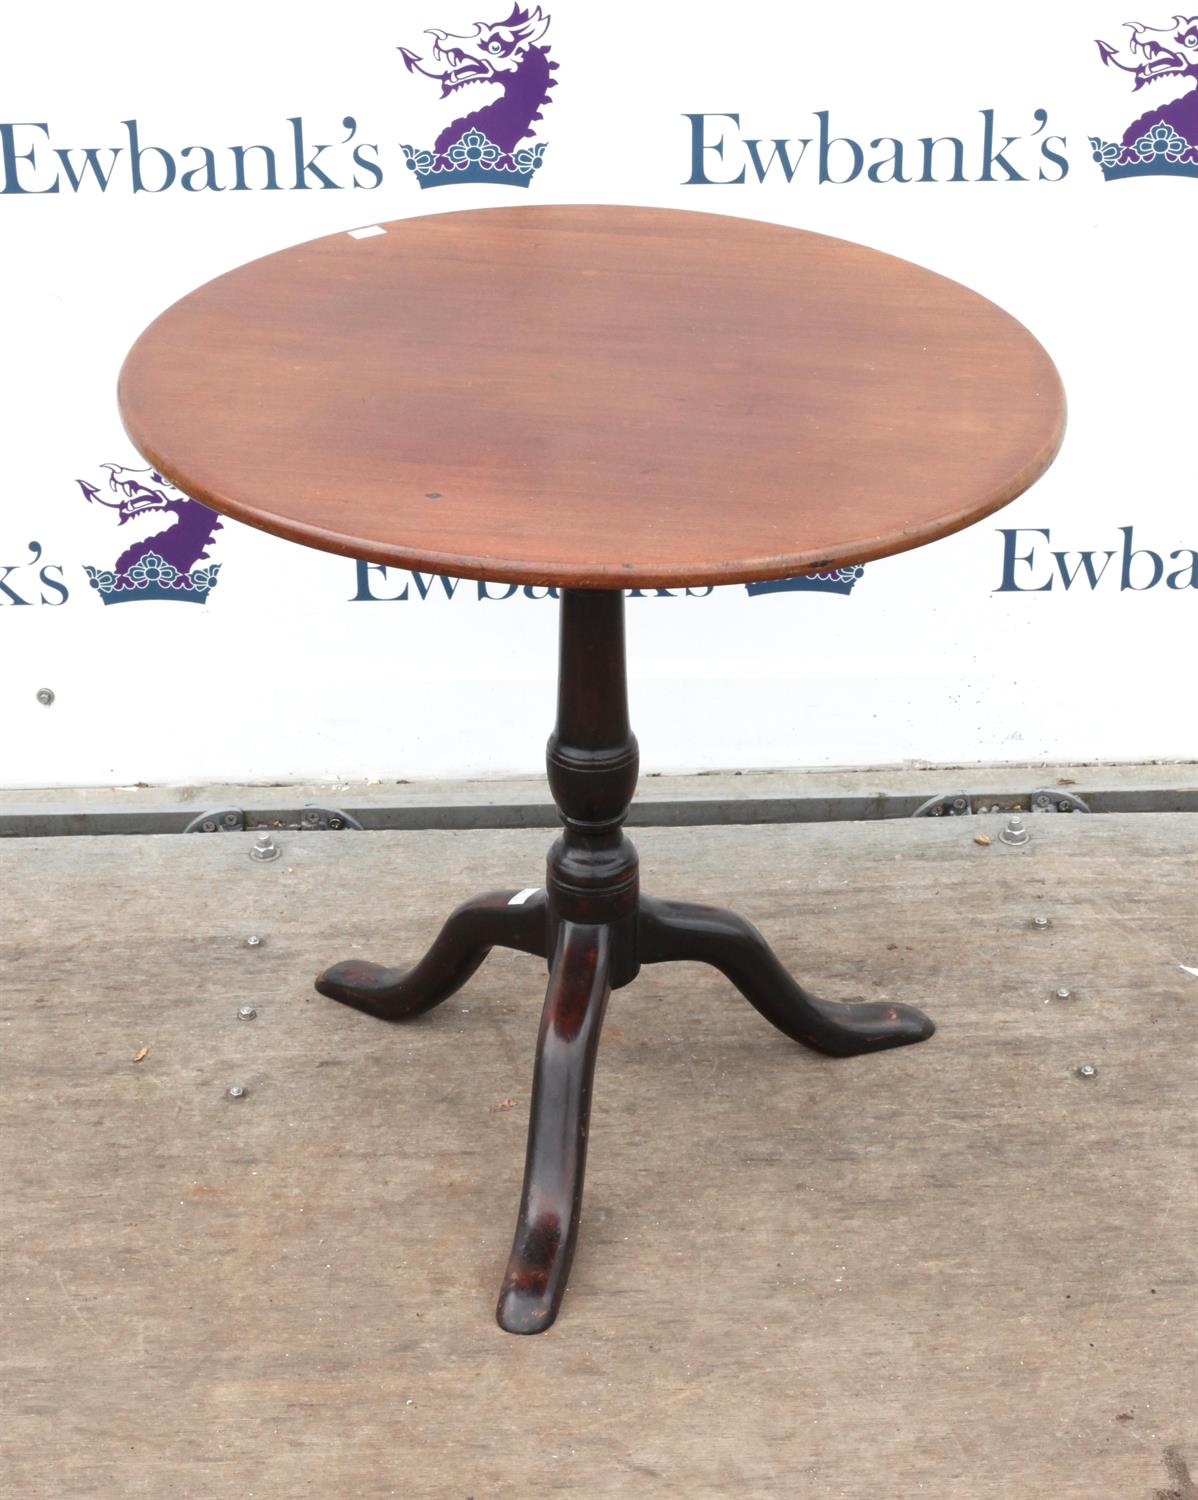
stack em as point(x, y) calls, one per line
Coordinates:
point(1014, 832)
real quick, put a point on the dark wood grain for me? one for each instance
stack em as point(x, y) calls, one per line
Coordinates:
point(558, 1122)
point(594, 396)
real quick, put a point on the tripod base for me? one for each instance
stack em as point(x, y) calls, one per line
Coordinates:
point(580, 981)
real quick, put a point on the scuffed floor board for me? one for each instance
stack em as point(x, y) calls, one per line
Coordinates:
point(958, 1271)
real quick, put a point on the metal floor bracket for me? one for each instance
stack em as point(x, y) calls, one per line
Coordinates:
point(310, 819)
point(961, 804)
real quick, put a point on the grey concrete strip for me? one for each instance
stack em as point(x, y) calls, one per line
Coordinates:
point(663, 801)
point(924, 781)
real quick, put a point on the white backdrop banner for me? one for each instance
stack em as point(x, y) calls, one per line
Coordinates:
point(1046, 156)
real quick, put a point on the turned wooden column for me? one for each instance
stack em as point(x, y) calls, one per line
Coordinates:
point(592, 761)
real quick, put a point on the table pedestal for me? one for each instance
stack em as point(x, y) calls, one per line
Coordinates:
point(595, 929)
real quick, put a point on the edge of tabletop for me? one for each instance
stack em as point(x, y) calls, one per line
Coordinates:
point(588, 575)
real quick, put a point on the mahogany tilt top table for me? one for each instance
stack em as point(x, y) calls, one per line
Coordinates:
point(595, 398)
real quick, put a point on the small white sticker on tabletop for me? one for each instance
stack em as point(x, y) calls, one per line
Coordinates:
point(365, 234)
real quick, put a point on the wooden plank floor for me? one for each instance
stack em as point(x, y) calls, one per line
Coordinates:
point(957, 1271)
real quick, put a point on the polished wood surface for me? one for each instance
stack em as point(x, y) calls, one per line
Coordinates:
point(594, 396)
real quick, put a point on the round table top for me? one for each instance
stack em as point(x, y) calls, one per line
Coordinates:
point(594, 396)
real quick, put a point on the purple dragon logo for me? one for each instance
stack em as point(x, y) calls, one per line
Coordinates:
point(485, 145)
point(1163, 140)
point(165, 564)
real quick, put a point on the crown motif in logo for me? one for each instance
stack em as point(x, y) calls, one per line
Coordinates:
point(474, 158)
point(490, 144)
point(835, 581)
point(170, 564)
point(1163, 141)
point(151, 577)
point(1159, 152)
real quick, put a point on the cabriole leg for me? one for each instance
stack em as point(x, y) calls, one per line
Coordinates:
point(676, 930)
point(547, 1228)
point(469, 934)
